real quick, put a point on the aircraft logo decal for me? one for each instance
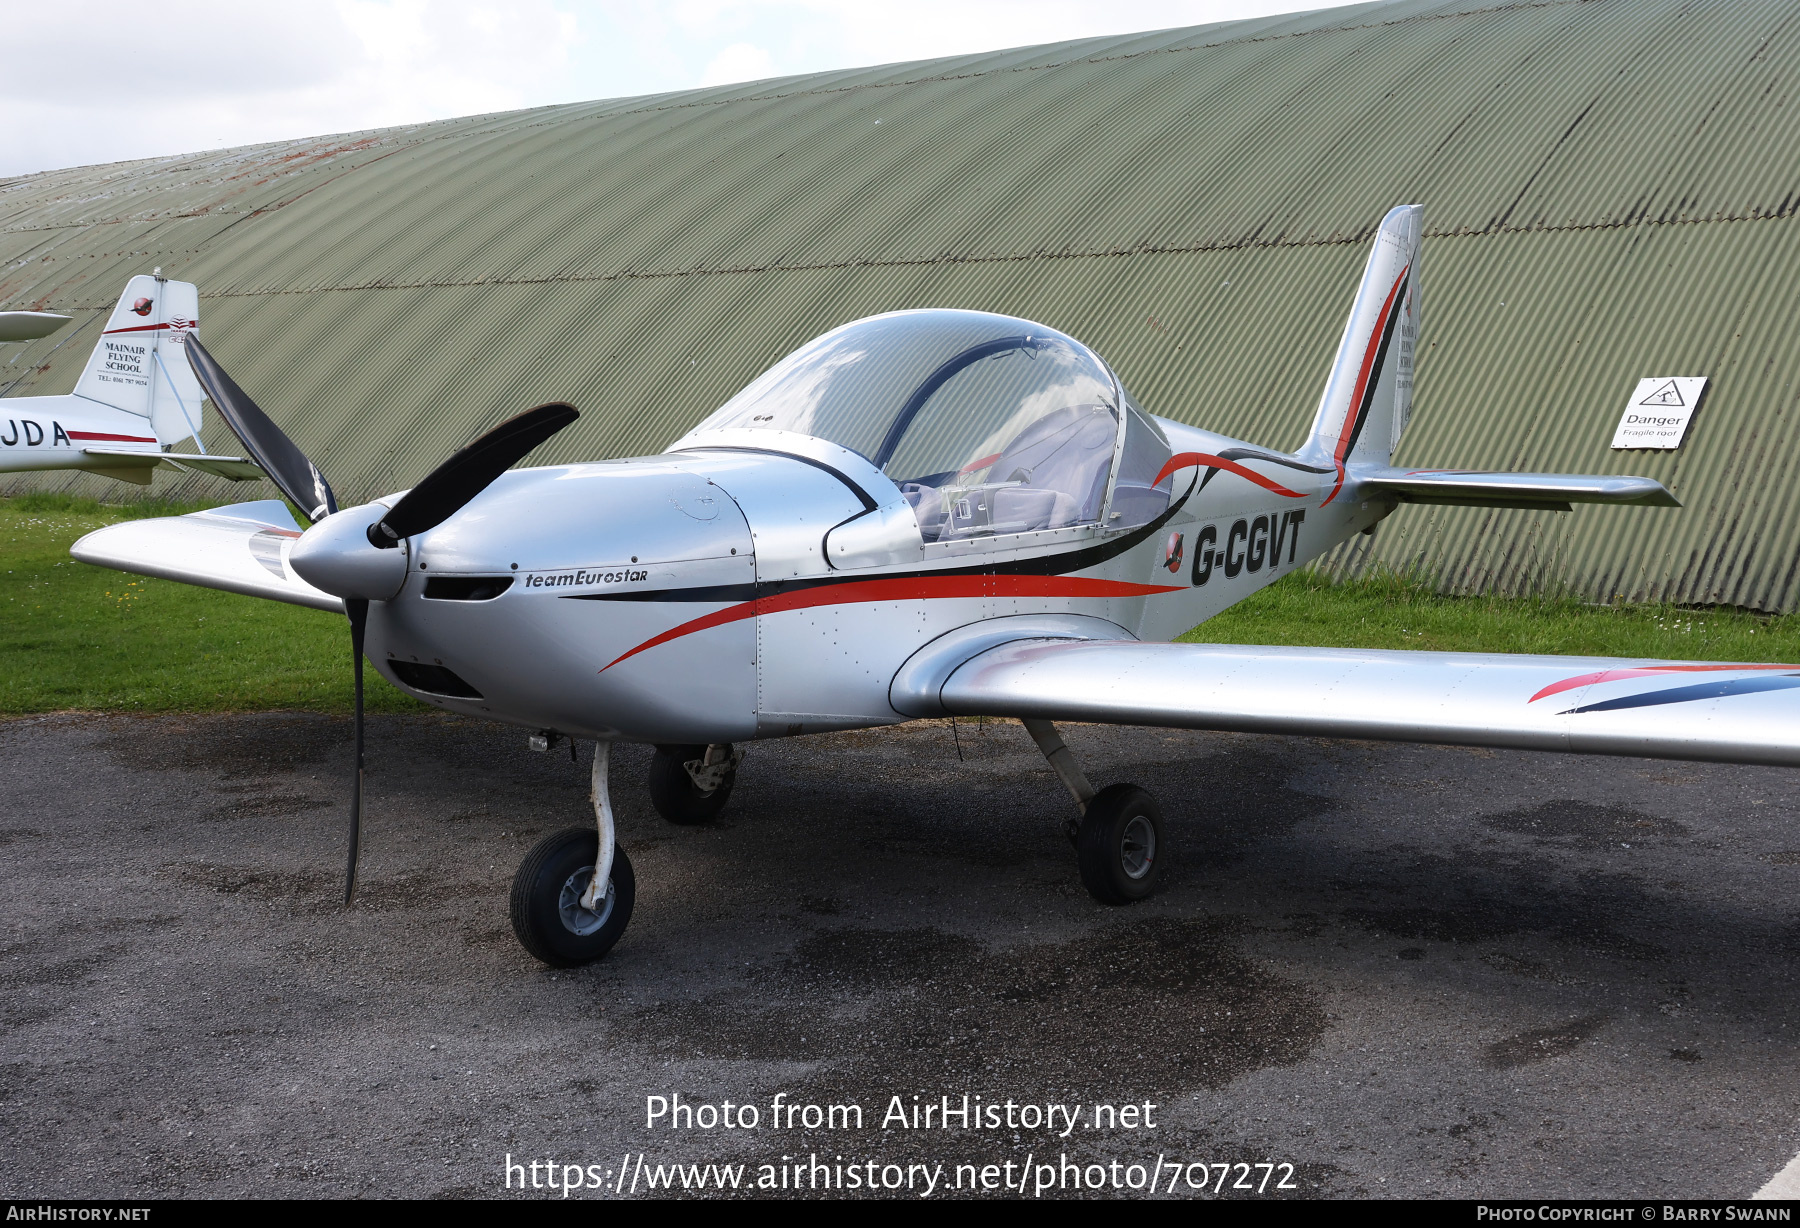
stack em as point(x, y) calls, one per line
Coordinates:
point(1172, 553)
point(142, 306)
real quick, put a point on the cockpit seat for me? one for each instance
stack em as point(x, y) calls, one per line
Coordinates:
point(1069, 452)
point(1023, 509)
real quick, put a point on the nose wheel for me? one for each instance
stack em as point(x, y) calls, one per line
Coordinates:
point(572, 896)
point(551, 912)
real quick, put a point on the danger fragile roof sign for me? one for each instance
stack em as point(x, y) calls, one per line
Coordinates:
point(1659, 411)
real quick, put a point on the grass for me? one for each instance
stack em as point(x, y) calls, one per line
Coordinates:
point(80, 637)
point(1392, 611)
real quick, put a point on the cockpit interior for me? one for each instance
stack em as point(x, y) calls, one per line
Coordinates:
point(989, 425)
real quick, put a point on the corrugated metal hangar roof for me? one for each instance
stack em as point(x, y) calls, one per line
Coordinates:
point(1610, 189)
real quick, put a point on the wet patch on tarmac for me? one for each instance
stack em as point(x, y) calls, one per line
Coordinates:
point(922, 1009)
point(1542, 1044)
point(1572, 823)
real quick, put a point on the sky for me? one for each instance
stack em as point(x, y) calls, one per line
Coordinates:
point(91, 81)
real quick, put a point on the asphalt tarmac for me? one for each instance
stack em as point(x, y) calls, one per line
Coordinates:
point(1407, 971)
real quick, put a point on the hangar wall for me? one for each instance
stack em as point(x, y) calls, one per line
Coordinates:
point(1610, 189)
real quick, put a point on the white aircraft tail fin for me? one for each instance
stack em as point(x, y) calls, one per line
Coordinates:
point(1368, 398)
point(139, 365)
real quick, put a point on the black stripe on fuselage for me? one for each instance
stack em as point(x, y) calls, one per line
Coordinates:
point(1273, 459)
point(1066, 563)
point(863, 496)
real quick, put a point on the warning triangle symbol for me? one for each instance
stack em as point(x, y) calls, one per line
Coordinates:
point(1667, 395)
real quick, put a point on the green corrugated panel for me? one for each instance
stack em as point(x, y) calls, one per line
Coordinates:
point(1621, 174)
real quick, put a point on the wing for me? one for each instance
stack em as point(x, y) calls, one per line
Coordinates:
point(1593, 705)
point(1554, 491)
point(241, 549)
point(237, 468)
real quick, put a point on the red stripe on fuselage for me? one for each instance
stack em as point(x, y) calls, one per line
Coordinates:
point(1193, 460)
point(103, 437)
point(135, 328)
point(1362, 384)
point(903, 588)
point(1642, 671)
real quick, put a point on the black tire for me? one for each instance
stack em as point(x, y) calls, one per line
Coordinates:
point(565, 862)
point(675, 795)
point(1120, 846)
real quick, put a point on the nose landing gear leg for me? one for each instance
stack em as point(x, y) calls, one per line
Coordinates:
point(1119, 836)
point(572, 896)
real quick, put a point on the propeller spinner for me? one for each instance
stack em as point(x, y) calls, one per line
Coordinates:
point(351, 554)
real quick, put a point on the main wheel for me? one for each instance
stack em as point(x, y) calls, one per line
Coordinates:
point(1119, 846)
point(547, 914)
point(677, 796)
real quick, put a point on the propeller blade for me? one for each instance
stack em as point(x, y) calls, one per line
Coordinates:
point(358, 610)
point(298, 478)
point(467, 473)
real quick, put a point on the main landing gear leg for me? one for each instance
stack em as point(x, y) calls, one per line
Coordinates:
point(572, 897)
point(691, 784)
point(1119, 836)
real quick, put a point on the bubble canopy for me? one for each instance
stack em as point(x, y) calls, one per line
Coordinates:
point(987, 423)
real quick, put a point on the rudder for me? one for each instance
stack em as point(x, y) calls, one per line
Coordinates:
point(1368, 398)
point(139, 365)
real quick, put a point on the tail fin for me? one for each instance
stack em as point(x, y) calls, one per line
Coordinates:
point(139, 365)
point(1368, 398)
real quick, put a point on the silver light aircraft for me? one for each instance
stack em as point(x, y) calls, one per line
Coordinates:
point(136, 398)
point(920, 514)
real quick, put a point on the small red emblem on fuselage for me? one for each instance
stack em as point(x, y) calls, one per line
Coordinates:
point(1172, 552)
point(142, 306)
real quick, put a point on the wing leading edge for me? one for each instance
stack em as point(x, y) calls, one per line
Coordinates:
point(1592, 705)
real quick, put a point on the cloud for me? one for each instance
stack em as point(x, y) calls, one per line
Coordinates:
point(102, 80)
point(738, 62)
point(211, 73)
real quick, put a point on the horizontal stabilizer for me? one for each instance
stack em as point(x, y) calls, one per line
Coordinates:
point(1590, 705)
point(125, 458)
point(29, 325)
point(241, 549)
point(237, 468)
point(1555, 491)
